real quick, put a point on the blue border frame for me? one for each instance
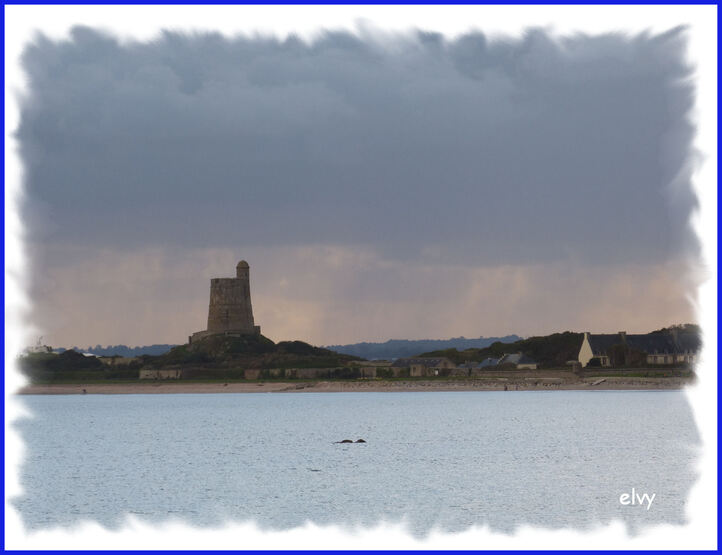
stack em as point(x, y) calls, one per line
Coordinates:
point(325, 2)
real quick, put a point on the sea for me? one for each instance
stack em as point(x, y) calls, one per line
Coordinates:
point(441, 461)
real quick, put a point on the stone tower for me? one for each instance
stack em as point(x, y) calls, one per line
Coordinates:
point(229, 310)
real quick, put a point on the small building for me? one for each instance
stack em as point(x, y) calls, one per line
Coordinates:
point(622, 349)
point(39, 347)
point(469, 366)
point(519, 360)
point(155, 374)
point(424, 366)
point(115, 360)
point(489, 363)
point(251, 374)
point(368, 363)
point(368, 371)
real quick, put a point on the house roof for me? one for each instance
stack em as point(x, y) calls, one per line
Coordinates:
point(650, 343)
point(602, 342)
point(516, 358)
point(689, 342)
point(510, 359)
point(424, 361)
point(488, 362)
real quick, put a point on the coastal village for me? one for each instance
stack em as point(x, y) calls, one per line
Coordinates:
point(232, 347)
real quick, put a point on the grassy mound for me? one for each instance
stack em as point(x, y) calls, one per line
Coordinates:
point(550, 351)
point(248, 351)
point(212, 357)
point(69, 365)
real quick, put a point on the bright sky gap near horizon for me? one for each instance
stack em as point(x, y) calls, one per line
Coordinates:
point(406, 187)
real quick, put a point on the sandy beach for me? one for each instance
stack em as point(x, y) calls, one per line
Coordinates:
point(498, 384)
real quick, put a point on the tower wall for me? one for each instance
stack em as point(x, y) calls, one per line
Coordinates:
point(229, 310)
point(230, 305)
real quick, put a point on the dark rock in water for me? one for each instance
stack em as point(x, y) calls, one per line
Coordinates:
point(349, 441)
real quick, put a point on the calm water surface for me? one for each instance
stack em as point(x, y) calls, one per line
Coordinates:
point(432, 459)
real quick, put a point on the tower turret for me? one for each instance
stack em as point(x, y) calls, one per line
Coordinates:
point(242, 270)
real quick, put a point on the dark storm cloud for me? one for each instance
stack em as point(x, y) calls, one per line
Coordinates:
point(533, 149)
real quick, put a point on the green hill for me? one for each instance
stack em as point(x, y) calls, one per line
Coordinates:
point(211, 357)
point(548, 351)
point(68, 365)
point(249, 351)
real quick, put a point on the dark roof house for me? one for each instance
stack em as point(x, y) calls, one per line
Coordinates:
point(519, 360)
point(488, 362)
point(659, 347)
point(428, 362)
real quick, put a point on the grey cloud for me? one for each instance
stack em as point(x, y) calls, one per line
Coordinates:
point(535, 149)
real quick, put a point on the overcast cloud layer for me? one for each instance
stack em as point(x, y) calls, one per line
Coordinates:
point(420, 152)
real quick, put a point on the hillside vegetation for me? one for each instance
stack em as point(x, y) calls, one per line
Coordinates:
point(548, 351)
point(249, 352)
point(401, 348)
point(71, 366)
point(121, 350)
point(214, 356)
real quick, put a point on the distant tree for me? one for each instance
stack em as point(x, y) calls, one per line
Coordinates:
point(686, 328)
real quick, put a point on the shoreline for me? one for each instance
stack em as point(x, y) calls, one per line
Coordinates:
point(614, 383)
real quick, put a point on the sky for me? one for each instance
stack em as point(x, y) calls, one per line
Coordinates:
point(381, 185)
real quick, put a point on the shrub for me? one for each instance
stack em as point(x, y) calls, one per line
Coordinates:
point(346, 373)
